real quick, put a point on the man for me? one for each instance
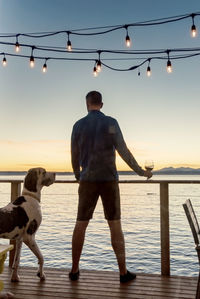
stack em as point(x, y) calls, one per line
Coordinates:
point(93, 143)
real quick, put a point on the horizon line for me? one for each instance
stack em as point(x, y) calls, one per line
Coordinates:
point(71, 172)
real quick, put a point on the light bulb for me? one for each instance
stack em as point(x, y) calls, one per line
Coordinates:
point(69, 45)
point(44, 68)
point(4, 61)
point(128, 41)
point(95, 73)
point(32, 62)
point(169, 66)
point(193, 31)
point(17, 47)
point(148, 71)
point(98, 66)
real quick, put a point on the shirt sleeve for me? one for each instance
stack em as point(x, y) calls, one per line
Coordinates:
point(123, 150)
point(75, 153)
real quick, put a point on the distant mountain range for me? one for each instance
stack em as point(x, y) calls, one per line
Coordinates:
point(166, 170)
point(171, 170)
point(179, 170)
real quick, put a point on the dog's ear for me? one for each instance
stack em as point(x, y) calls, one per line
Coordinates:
point(30, 182)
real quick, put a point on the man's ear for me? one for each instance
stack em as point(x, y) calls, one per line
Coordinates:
point(30, 182)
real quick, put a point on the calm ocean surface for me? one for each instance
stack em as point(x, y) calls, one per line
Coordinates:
point(140, 221)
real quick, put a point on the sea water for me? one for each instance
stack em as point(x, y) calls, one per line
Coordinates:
point(140, 209)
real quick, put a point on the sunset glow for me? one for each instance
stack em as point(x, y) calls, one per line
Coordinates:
point(158, 114)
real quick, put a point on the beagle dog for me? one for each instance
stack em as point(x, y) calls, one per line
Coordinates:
point(20, 219)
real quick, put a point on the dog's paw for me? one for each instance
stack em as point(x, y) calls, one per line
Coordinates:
point(41, 276)
point(15, 278)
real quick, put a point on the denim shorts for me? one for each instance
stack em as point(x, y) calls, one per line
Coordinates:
point(89, 193)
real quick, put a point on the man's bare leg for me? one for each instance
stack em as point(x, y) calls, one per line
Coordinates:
point(118, 244)
point(77, 243)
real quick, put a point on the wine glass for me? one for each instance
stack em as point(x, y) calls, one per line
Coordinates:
point(149, 165)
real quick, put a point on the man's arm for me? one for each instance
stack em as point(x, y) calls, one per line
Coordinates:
point(125, 154)
point(75, 154)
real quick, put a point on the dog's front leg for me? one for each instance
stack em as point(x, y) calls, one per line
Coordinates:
point(31, 243)
point(15, 277)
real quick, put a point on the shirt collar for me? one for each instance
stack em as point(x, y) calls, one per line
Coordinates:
point(95, 111)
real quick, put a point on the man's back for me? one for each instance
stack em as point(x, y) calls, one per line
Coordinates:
point(93, 143)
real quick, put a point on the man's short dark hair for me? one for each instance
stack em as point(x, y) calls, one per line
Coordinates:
point(94, 97)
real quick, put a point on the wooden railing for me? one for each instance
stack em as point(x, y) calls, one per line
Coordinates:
point(164, 212)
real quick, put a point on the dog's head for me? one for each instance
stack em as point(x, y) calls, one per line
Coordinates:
point(38, 177)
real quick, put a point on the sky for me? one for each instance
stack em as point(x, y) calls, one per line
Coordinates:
point(158, 116)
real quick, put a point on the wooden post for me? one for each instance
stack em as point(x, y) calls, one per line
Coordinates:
point(164, 228)
point(15, 192)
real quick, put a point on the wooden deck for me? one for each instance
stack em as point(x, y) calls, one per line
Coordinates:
point(97, 285)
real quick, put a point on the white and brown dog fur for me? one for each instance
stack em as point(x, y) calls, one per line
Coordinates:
point(20, 219)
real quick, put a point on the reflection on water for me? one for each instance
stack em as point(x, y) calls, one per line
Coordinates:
point(141, 225)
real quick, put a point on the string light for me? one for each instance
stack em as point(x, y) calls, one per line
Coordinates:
point(4, 61)
point(182, 53)
point(44, 68)
point(95, 72)
point(69, 44)
point(108, 29)
point(169, 64)
point(32, 60)
point(128, 40)
point(149, 69)
point(193, 27)
point(17, 45)
point(98, 67)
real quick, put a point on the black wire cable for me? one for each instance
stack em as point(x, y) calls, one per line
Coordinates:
point(181, 53)
point(104, 64)
point(109, 28)
point(97, 51)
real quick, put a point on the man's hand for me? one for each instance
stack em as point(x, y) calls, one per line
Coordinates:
point(148, 174)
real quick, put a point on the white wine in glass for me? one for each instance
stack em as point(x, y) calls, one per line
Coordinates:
point(149, 165)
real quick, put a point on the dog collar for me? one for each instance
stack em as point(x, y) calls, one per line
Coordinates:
point(31, 194)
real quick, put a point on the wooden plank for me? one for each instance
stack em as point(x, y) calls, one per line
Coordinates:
point(106, 276)
point(75, 292)
point(138, 283)
point(110, 278)
point(98, 284)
